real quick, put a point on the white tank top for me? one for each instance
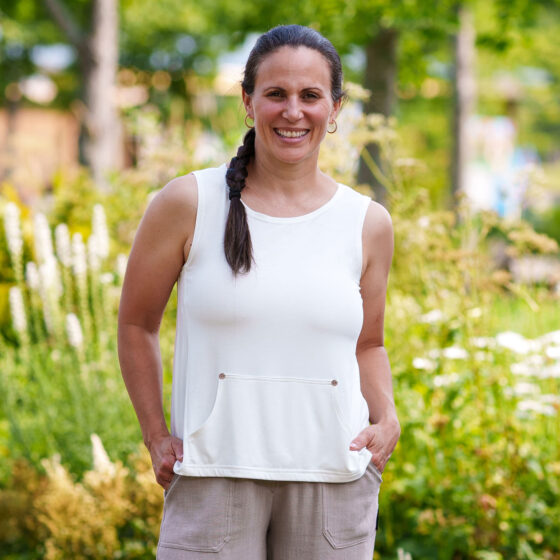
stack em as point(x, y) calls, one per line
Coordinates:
point(266, 382)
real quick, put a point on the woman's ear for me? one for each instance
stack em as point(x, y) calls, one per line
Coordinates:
point(337, 105)
point(248, 103)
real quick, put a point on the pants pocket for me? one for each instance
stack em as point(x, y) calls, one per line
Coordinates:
point(197, 513)
point(174, 480)
point(350, 509)
point(375, 470)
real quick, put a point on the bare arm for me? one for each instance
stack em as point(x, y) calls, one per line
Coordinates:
point(375, 372)
point(157, 256)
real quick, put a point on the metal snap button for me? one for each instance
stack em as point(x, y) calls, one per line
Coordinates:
point(222, 376)
point(334, 382)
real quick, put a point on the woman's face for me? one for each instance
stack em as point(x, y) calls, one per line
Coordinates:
point(291, 104)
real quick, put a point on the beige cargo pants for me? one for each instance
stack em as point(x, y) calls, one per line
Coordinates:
point(211, 518)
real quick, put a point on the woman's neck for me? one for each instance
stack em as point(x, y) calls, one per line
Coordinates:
point(287, 189)
point(276, 178)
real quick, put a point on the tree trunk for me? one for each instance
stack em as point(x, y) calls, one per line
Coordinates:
point(103, 141)
point(101, 134)
point(464, 96)
point(380, 79)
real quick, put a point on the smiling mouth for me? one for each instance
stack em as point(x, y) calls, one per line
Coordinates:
point(290, 133)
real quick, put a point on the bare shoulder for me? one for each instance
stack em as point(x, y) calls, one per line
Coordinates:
point(377, 236)
point(178, 198)
point(172, 211)
point(378, 225)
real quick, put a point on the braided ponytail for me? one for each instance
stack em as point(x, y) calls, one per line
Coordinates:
point(237, 240)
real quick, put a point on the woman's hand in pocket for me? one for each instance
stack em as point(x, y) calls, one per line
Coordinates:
point(164, 452)
point(380, 439)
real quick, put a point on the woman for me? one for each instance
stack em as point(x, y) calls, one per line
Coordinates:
point(279, 364)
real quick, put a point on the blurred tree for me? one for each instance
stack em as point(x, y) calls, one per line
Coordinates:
point(505, 22)
point(97, 49)
point(464, 94)
point(91, 27)
point(169, 36)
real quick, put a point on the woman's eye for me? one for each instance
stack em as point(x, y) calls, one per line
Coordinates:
point(310, 95)
point(274, 94)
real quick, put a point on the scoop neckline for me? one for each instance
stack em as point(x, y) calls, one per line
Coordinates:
point(291, 219)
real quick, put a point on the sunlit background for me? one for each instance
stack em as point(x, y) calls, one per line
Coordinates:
point(452, 122)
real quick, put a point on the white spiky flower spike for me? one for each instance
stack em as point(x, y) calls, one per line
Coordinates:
point(74, 331)
point(56, 473)
point(79, 263)
point(93, 256)
point(19, 320)
point(122, 261)
point(13, 229)
point(121, 265)
point(101, 462)
point(43, 239)
point(49, 277)
point(32, 275)
point(403, 555)
point(100, 231)
point(63, 247)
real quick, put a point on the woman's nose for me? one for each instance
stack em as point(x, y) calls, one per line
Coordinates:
point(292, 110)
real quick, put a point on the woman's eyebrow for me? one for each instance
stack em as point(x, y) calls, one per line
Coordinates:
point(280, 88)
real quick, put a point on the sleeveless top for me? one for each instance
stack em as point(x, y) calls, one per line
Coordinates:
point(266, 382)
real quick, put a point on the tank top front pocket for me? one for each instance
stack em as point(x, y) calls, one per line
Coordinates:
point(280, 427)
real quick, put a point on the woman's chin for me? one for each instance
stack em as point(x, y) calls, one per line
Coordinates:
point(293, 154)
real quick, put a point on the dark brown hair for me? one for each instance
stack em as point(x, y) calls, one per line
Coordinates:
point(237, 239)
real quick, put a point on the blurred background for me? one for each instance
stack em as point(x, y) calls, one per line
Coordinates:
point(452, 122)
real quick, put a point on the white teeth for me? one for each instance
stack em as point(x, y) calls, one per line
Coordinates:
point(292, 133)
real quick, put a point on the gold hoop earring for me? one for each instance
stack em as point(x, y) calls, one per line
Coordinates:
point(248, 117)
point(334, 129)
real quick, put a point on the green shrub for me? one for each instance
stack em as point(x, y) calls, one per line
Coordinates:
point(547, 222)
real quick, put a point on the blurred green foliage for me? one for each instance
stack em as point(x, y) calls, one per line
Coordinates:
point(516, 68)
point(547, 221)
point(475, 474)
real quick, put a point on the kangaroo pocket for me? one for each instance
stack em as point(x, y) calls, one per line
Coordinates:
point(274, 423)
